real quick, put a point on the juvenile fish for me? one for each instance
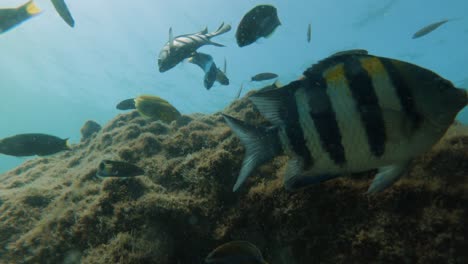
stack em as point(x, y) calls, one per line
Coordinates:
point(156, 108)
point(63, 11)
point(181, 47)
point(32, 144)
point(264, 76)
point(236, 252)
point(429, 28)
point(110, 168)
point(309, 33)
point(127, 104)
point(11, 17)
point(352, 112)
point(259, 22)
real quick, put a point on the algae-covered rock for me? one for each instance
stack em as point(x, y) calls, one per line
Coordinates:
point(55, 210)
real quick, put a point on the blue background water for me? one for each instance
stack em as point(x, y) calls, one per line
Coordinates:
point(53, 78)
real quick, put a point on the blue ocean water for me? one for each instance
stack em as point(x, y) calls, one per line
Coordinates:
point(53, 78)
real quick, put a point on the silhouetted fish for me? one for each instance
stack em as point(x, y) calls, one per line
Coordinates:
point(428, 29)
point(126, 104)
point(11, 17)
point(264, 76)
point(63, 11)
point(309, 33)
point(110, 168)
point(32, 144)
point(236, 252)
point(259, 22)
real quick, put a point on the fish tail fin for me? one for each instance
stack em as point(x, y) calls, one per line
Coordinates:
point(64, 12)
point(31, 8)
point(261, 145)
point(221, 30)
point(67, 143)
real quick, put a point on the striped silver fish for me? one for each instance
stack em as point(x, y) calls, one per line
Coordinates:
point(351, 112)
point(181, 47)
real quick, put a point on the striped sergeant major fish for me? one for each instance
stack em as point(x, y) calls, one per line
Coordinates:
point(181, 47)
point(12, 17)
point(351, 112)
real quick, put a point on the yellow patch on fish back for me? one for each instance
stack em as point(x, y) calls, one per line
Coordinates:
point(373, 66)
point(336, 80)
point(32, 8)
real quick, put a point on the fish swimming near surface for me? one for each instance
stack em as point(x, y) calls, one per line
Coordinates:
point(157, 108)
point(11, 17)
point(206, 63)
point(309, 33)
point(182, 47)
point(63, 11)
point(429, 28)
point(110, 168)
point(236, 252)
point(264, 76)
point(126, 104)
point(351, 112)
point(32, 144)
point(259, 22)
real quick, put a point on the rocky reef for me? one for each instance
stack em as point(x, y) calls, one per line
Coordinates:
point(55, 210)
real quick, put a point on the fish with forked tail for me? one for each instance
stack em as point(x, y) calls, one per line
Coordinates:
point(181, 47)
point(11, 17)
point(351, 112)
point(212, 73)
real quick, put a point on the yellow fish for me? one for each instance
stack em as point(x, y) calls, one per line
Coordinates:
point(155, 107)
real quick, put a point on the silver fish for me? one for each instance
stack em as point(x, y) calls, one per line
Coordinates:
point(429, 28)
point(352, 112)
point(181, 47)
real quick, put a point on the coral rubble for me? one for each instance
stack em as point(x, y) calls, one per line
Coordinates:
point(55, 210)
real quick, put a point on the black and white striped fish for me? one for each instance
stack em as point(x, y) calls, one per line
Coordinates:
point(351, 112)
point(181, 47)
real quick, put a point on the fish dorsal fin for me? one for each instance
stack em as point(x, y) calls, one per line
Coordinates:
point(350, 52)
point(171, 38)
point(334, 59)
point(204, 31)
point(274, 104)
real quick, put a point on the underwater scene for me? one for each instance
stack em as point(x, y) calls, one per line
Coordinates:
point(234, 132)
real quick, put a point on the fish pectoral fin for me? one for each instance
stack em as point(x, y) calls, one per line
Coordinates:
point(215, 44)
point(295, 178)
point(261, 145)
point(273, 103)
point(386, 177)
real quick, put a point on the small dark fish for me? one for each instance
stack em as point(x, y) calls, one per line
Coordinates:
point(11, 17)
point(428, 29)
point(206, 63)
point(32, 144)
point(155, 107)
point(309, 33)
point(236, 252)
point(182, 47)
point(110, 168)
point(259, 22)
point(240, 91)
point(264, 76)
point(127, 104)
point(63, 11)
